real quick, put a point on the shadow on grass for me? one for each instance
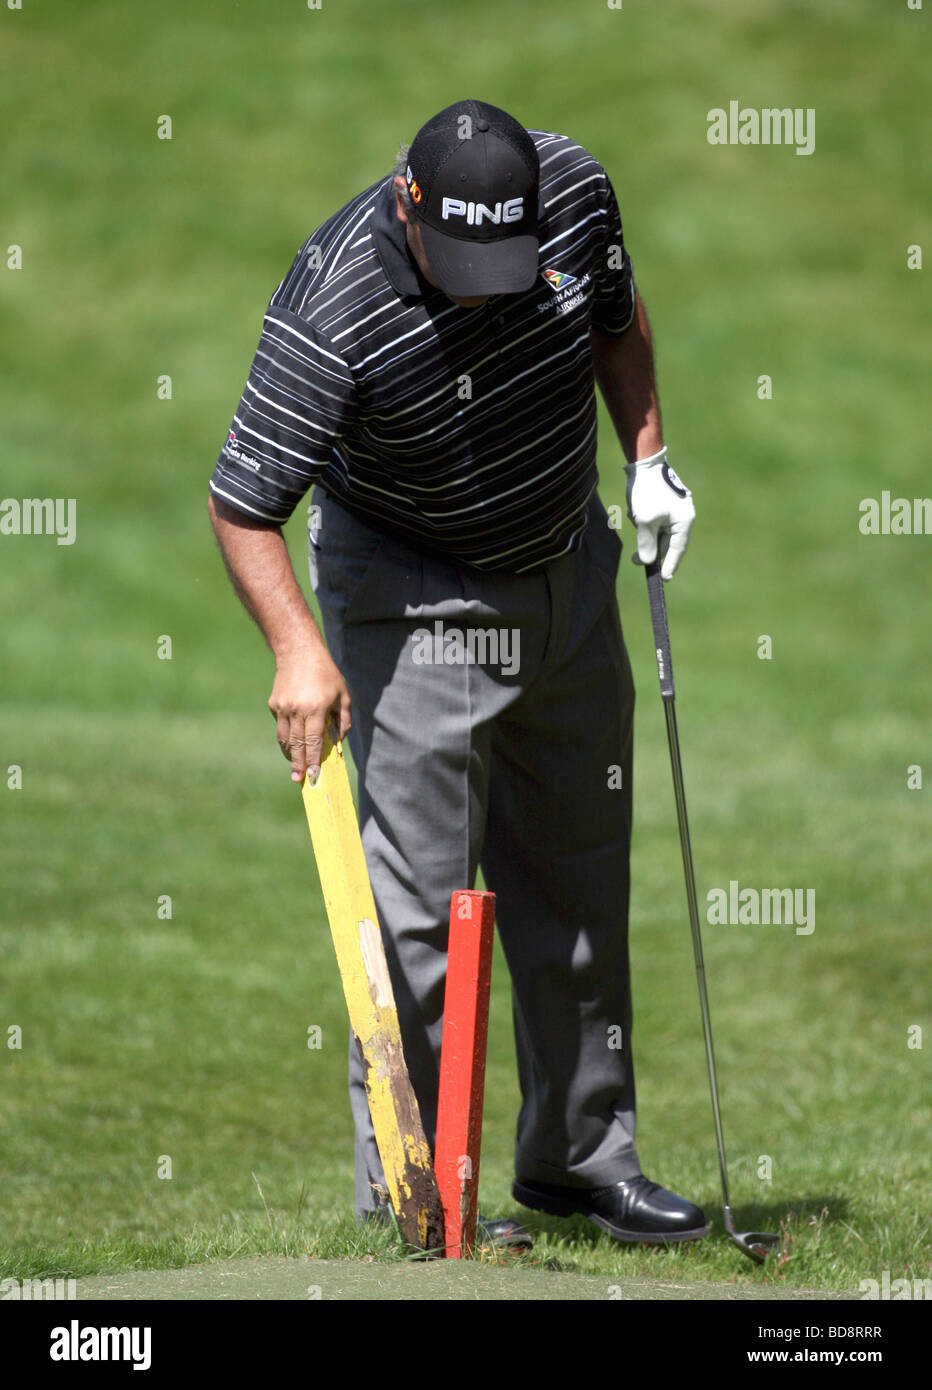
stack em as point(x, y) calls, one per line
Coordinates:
point(798, 1221)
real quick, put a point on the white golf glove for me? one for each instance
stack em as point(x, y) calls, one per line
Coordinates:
point(661, 507)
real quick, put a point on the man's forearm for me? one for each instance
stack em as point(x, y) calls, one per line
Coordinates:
point(624, 373)
point(308, 690)
point(260, 568)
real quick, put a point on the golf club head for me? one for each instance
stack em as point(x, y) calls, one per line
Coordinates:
point(757, 1245)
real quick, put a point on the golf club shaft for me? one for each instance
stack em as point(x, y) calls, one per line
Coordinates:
point(669, 707)
point(658, 610)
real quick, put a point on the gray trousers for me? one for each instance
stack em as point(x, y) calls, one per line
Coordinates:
point(519, 760)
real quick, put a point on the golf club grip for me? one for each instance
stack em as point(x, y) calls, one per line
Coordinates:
point(658, 617)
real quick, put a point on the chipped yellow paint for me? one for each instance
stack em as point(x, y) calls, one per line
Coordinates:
point(344, 880)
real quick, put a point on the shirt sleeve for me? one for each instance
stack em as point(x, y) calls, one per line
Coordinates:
point(613, 279)
point(297, 402)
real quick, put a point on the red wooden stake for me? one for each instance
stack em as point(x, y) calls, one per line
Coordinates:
point(462, 1066)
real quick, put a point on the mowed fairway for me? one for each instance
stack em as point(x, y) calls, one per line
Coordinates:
point(164, 948)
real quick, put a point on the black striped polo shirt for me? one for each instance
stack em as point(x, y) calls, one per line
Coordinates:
point(471, 432)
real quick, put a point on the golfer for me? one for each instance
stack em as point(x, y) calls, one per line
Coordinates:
point(428, 364)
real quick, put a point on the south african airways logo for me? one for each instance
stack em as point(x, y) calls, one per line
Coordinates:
point(557, 279)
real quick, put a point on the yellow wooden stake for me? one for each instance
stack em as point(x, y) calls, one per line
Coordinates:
point(344, 880)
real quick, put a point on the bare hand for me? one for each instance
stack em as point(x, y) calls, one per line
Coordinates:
point(308, 695)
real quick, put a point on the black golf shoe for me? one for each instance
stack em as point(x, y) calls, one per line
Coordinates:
point(634, 1210)
point(506, 1233)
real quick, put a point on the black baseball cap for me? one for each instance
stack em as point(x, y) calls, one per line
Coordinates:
point(474, 176)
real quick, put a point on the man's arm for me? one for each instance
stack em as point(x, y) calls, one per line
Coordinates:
point(308, 686)
point(659, 503)
point(624, 373)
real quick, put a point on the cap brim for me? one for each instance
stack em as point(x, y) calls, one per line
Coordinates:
point(467, 268)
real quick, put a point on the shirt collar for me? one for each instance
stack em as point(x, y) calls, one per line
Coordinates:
point(391, 245)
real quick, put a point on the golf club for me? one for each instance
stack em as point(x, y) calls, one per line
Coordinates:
point(755, 1244)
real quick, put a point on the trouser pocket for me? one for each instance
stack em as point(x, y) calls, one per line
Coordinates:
point(341, 553)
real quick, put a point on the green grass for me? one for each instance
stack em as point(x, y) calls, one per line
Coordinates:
point(186, 1037)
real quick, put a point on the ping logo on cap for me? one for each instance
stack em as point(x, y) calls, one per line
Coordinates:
point(512, 210)
point(479, 203)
